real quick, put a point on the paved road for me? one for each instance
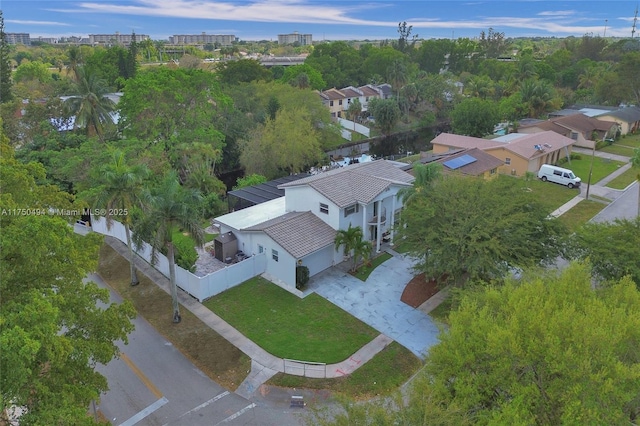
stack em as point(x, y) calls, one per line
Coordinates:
point(625, 206)
point(152, 383)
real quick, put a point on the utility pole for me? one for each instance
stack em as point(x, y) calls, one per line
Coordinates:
point(605, 28)
point(635, 21)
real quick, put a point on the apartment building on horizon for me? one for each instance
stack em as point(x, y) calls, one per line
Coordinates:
point(295, 37)
point(117, 38)
point(203, 38)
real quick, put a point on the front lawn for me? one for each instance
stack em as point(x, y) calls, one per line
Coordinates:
point(632, 141)
point(365, 270)
point(381, 375)
point(617, 149)
point(309, 329)
point(602, 168)
point(551, 194)
point(581, 213)
point(624, 180)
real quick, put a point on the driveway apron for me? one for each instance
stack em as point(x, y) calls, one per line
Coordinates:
point(377, 303)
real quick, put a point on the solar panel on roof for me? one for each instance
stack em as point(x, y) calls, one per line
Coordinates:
point(461, 161)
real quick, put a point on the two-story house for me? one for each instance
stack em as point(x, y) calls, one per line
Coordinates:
point(339, 100)
point(300, 228)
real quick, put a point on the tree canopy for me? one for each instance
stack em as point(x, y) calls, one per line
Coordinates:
point(474, 117)
point(546, 350)
point(52, 331)
point(466, 227)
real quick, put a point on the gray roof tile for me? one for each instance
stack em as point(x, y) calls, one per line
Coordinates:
point(299, 233)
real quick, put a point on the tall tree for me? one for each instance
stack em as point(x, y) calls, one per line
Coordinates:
point(628, 72)
point(353, 243)
point(386, 113)
point(354, 110)
point(473, 228)
point(52, 331)
point(426, 175)
point(397, 75)
point(5, 65)
point(90, 104)
point(404, 31)
point(613, 248)
point(474, 117)
point(169, 207)
point(119, 191)
point(547, 350)
point(288, 144)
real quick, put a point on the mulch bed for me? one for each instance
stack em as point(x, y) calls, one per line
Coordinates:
point(418, 291)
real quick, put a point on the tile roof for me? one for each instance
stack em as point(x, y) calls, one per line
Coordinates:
point(548, 125)
point(368, 91)
point(299, 233)
point(484, 162)
point(360, 182)
point(628, 114)
point(351, 92)
point(523, 146)
point(333, 94)
point(583, 123)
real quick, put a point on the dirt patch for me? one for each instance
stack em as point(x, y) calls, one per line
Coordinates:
point(210, 352)
point(419, 290)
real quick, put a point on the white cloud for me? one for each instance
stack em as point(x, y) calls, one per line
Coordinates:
point(559, 13)
point(23, 22)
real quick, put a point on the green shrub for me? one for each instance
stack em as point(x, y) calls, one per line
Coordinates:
point(302, 277)
point(185, 252)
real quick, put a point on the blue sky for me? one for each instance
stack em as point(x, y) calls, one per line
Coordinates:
point(329, 19)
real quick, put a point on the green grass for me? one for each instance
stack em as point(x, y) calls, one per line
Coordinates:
point(617, 150)
point(309, 329)
point(551, 194)
point(624, 180)
point(364, 271)
point(381, 375)
point(580, 214)
point(441, 312)
point(402, 247)
point(630, 140)
point(601, 168)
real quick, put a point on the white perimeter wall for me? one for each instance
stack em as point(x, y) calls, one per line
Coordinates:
point(199, 287)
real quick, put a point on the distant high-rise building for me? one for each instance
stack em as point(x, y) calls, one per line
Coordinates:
point(221, 39)
point(301, 39)
point(116, 38)
point(18, 38)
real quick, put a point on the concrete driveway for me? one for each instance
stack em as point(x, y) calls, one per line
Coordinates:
point(377, 302)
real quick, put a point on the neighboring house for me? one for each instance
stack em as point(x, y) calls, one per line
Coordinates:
point(628, 119)
point(300, 228)
point(338, 101)
point(584, 130)
point(519, 152)
point(469, 162)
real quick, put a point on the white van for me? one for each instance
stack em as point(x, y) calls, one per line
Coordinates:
point(558, 175)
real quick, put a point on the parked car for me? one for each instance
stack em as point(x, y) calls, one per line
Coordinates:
point(550, 173)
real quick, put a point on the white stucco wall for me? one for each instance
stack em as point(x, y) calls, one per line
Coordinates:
point(305, 198)
point(321, 260)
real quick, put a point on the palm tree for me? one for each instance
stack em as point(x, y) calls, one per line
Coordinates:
point(169, 207)
point(397, 74)
point(538, 95)
point(354, 244)
point(354, 110)
point(90, 104)
point(426, 175)
point(635, 163)
point(75, 59)
point(118, 193)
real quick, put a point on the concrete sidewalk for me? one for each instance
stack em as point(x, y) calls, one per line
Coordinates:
point(263, 364)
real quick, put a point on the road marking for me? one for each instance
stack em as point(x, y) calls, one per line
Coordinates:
point(154, 390)
point(144, 413)
point(204, 404)
point(236, 414)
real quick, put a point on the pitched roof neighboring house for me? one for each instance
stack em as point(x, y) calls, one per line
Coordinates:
point(628, 114)
point(332, 94)
point(475, 162)
point(351, 92)
point(369, 90)
point(581, 123)
point(527, 146)
point(299, 233)
point(255, 194)
point(357, 183)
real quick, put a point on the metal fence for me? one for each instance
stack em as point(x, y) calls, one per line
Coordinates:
point(317, 370)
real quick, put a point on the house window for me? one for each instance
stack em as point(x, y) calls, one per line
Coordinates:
point(574, 136)
point(324, 208)
point(330, 103)
point(260, 248)
point(274, 254)
point(350, 210)
point(340, 102)
point(507, 160)
point(493, 171)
